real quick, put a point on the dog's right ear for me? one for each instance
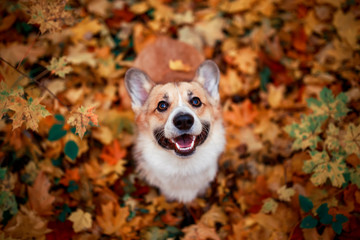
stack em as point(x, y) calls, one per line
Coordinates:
point(138, 85)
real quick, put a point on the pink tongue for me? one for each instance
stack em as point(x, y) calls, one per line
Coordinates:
point(184, 141)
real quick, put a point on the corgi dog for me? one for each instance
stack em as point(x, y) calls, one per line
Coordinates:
point(180, 133)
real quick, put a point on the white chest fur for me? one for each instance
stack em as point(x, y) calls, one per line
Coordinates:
point(180, 178)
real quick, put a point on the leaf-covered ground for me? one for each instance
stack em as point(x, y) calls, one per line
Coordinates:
point(290, 91)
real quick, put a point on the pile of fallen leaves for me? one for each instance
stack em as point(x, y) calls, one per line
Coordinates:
point(290, 92)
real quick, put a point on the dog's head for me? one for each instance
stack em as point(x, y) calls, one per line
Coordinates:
point(178, 115)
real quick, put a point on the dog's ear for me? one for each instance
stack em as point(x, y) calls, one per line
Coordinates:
point(208, 75)
point(138, 85)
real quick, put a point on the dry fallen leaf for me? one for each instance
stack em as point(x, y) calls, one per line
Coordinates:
point(113, 219)
point(81, 220)
point(39, 198)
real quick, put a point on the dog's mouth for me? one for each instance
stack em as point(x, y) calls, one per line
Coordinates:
point(185, 144)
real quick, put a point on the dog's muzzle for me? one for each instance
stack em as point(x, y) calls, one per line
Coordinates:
point(185, 144)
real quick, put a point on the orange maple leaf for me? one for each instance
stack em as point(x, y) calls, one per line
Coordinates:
point(113, 219)
point(70, 175)
point(240, 115)
point(39, 198)
point(113, 153)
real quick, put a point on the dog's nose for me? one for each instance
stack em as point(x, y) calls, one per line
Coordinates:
point(183, 121)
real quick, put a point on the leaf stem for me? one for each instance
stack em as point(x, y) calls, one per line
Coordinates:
point(28, 50)
point(36, 80)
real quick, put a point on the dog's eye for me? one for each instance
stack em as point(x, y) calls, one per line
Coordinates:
point(162, 106)
point(196, 102)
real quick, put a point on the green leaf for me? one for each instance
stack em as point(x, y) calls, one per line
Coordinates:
point(56, 132)
point(328, 105)
point(355, 176)
point(306, 133)
point(59, 66)
point(2, 173)
point(8, 202)
point(309, 222)
point(323, 212)
point(60, 118)
point(154, 233)
point(305, 203)
point(63, 214)
point(323, 168)
point(71, 149)
point(73, 186)
point(264, 78)
point(337, 225)
point(173, 231)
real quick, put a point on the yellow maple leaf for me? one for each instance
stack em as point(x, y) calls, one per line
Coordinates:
point(29, 111)
point(85, 29)
point(178, 65)
point(81, 220)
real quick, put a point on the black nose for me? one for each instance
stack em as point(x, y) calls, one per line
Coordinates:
point(183, 121)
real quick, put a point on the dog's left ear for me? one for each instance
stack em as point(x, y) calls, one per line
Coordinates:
point(208, 75)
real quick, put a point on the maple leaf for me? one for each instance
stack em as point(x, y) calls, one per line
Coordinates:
point(70, 175)
point(200, 231)
point(349, 33)
point(246, 60)
point(113, 218)
point(59, 66)
point(240, 115)
point(39, 198)
point(113, 153)
point(50, 15)
point(323, 168)
point(211, 30)
point(332, 138)
point(236, 6)
point(85, 29)
point(269, 206)
point(352, 139)
point(213, 216)
point(306, 133)
point(355, 176)
point(26, 224)
point(81, 220)
point(328, 105)
point(81, 118)
point(285, 193)
point(8, 96)
point(7, 203)
point(27, 111)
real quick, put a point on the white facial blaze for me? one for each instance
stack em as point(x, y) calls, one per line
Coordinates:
point(179, 95)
